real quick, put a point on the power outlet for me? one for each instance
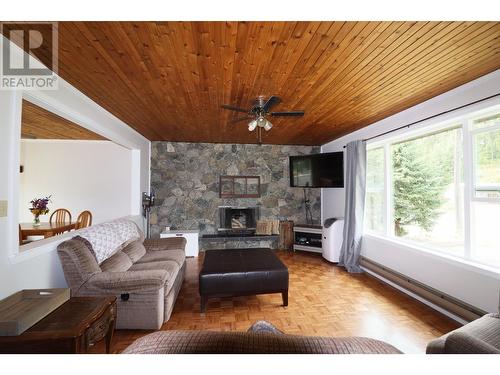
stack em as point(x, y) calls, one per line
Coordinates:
point(3, 208)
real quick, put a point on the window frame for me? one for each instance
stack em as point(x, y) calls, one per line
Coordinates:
point(464, 121)
point(472, 133)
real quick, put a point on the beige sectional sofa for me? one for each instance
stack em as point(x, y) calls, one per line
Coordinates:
point(114, 259)
point(261, 338)
point(481, 336)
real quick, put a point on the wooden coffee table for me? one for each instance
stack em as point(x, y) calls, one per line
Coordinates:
point(73, 328)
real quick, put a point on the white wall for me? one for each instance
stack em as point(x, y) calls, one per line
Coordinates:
point(38, 265)
point(79, 176)
point(474, 285)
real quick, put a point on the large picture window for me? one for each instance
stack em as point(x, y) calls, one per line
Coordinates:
point(439, 188)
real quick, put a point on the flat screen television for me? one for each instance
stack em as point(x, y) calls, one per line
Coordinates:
point(317, 170)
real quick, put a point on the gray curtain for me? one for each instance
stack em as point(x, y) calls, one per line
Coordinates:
point(355, 183)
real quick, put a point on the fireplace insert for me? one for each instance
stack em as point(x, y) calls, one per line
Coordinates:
point(238, 219)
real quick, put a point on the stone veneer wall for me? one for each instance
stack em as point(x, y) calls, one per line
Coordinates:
point(185, 178)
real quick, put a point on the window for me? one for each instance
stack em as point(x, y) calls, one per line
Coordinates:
point(485, 205)
point(428, 190)
point(486, 145)
point(484, 232)
point(439, 188)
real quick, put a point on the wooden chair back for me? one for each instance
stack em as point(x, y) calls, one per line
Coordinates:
point(84, 220)
point(60, 215)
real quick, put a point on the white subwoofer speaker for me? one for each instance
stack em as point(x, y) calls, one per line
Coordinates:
point(333, 234)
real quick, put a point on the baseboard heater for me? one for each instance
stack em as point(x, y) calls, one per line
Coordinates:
point(444, 301)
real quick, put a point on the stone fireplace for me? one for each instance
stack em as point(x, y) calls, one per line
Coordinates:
point(185, 178)
point(238, 219)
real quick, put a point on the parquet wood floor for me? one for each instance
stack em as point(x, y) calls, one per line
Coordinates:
point(324, 300)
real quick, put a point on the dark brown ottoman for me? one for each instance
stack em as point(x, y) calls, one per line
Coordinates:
point(239, 272)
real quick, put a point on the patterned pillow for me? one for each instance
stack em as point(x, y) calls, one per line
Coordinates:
point(127, 230)
point(108, 238)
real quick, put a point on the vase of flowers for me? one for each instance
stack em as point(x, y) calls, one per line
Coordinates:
point(39, 206)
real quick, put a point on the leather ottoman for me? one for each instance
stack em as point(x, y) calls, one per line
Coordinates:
point(239, 272)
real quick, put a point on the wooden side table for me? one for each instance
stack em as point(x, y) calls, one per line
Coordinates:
point(286, 235)
point(73, 328)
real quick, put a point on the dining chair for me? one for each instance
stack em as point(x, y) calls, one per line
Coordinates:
point(60, 215)
point(84, 220)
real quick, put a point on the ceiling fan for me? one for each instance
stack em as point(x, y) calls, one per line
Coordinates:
point(258, 113)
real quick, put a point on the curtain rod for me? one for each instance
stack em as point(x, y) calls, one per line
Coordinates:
point(430, 117)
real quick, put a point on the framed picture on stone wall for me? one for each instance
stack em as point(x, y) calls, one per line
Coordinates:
point(239, 186)
point(226, 186)
point(253, 185)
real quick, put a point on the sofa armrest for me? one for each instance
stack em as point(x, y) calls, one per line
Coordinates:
point(172, 243)
point(463, 343)
point(213, 342)
point(128, 281)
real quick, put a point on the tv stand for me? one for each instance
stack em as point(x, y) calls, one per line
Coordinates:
point(308, 238)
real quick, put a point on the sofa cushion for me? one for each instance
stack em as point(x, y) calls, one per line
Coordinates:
point(135, 250)
point(177, 256)
point(118, 262)
point(172, 243)
point(171, 267)
point(105, 283)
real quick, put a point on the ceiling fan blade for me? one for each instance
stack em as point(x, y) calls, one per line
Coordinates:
point(240, 119)
point(288, 113)
point(273, 100)
point(233, 108)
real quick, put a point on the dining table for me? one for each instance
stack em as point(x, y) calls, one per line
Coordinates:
point(45, 229)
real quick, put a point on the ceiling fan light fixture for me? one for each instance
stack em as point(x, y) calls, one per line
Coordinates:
point(252, 125)
point(261, 121)
point(268, 126)
point(258, 113)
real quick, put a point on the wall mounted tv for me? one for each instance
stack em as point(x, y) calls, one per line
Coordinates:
point(317, 170)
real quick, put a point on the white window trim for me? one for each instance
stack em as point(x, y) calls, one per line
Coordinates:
point(468, 187)
point(464, 122)
point(472, 160)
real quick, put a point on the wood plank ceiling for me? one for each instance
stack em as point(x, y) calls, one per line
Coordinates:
point(168, 79)
point(38, 123)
